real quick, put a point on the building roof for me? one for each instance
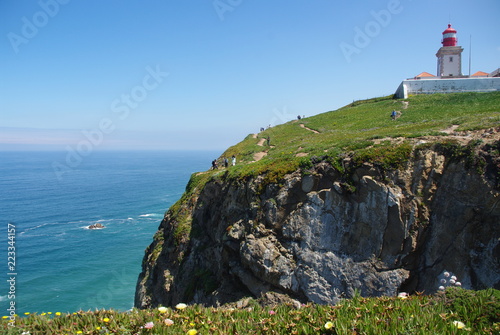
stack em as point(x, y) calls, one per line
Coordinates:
point(449, 30)
point(495, 73)
point(480, 74)
point(424, 74)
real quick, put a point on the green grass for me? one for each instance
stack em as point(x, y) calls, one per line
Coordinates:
point(478, 311)
point(355, 126)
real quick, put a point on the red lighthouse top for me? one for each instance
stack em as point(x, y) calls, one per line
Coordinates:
point(449, 37)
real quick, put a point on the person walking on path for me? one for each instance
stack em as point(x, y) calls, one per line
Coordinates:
point(394, 114)
point(234, 160)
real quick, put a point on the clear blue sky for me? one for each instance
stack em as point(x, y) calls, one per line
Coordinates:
point(195, 74)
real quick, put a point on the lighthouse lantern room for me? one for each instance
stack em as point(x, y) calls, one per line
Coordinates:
point(449, 63)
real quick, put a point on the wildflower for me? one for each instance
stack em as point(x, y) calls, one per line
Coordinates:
point(403, 295)
point(441, 288)
point(192, 332)
point(168, 322)
point(271, 312)
point(5, 317)
point(49, 313)
point(43, 314)
point(105, 319)
point(26, 313)
point(329, 325)
point(180, 306)
point(458, 283)
point(192, 324)
point(162, 309)
point(79, 332)
point(97, 328)
point(459, 324)
point(149, 325)
point(446, 274)
point(58, 313)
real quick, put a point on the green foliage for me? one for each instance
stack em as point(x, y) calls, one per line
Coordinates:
point(440, 314)
point(182, 228)
point(482, 308)
point(457, 152)
point(384, 155)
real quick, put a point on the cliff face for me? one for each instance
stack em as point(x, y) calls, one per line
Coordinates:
point(320, 234)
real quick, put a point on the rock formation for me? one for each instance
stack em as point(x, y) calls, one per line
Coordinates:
point(321, 234)
point(96, 226)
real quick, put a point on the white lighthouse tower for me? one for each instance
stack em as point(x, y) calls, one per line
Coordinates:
point(449, 63)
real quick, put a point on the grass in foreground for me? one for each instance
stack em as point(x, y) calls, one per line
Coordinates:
point(457, 311)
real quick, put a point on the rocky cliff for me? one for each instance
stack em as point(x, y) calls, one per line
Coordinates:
point(325, 230)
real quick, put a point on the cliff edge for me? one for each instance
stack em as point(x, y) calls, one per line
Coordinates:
point(318, 218)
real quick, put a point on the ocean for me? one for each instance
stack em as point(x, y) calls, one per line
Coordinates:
point(60, 264)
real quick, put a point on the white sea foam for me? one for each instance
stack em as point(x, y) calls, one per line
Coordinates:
point(149, 215)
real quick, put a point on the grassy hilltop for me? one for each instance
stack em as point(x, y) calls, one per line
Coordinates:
point(367, 124)
point(362, 131)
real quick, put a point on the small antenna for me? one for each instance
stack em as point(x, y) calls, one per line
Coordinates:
point(470, 51)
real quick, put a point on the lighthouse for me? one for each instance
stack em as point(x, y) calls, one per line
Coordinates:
point(449, 56)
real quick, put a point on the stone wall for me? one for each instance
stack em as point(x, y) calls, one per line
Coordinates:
point(445, 85)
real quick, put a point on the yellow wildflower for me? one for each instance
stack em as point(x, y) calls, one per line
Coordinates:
point(329, 325)
point(162, 309)
point(192, 332)
point(459, 324)
point(58, 313)
point(105, 319)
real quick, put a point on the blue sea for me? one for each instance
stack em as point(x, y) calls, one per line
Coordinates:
point(61, 265)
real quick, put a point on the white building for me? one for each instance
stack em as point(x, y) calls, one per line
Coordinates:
point(449, 77)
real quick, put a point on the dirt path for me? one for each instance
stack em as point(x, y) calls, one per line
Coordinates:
point(314, 131)
point(261, 142)
point(259, 155)
point(451, 129)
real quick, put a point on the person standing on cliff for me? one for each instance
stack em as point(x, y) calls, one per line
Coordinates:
point(226, 162)
point(234, 160)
